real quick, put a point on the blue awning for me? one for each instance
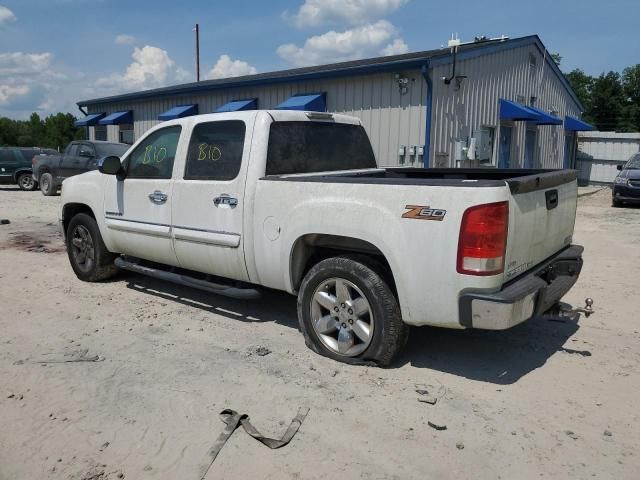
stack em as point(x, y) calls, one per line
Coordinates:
point(237, 105)
point(574, 125)
point(546, 118)
point(91, 119)
point(179, 112)
point(312, 103)
point(515, 111)
point(117, 118)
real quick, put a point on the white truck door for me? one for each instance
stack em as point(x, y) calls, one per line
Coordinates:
point(138, 208)
point(208, 198)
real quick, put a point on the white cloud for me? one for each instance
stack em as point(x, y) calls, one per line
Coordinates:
point(124, 39)
point(151, 67)
point(358, 42)
point(225, 67)
point(19, 63)
point(355, 12)
point(8, 93)
point(6, 15)
point(397, 47)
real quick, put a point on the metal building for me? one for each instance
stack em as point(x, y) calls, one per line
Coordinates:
point(501, 102)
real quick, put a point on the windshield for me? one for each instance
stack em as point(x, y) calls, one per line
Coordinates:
point(107, 149)
point(633, 163)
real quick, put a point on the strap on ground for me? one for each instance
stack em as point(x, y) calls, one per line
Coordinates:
point(233, 419)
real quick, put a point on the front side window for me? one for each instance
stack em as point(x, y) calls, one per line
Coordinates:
point(154, 156)
point(215, 151)
point(308, 147)
point(86, 151)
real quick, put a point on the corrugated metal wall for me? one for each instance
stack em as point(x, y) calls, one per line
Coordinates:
point(393, 119)
point(600, 153)
point(507, 74)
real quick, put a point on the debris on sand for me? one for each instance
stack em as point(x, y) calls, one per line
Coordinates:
point(436, 426)
point(258, 350)
point(4, 221)
point(430, 394)
point(460, 446)
point(571, 434)
point(233, 420)
point(583, 353)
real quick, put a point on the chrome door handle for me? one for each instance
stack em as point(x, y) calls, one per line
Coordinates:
point(225, 199)
point(158, 197)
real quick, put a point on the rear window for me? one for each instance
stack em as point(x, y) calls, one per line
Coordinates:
point(28, 154)
point(308, 147)
point(107, 149)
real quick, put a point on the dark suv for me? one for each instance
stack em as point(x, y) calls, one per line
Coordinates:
point(626, 186)
point(15, 165)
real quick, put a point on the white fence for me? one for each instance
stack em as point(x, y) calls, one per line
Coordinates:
point(600, 153)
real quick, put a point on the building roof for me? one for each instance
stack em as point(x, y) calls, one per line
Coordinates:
point(392, 62)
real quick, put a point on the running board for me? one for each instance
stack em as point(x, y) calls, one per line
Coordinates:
point(211, 287)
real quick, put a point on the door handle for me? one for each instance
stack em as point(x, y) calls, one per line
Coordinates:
point(158, 197)
point(225, 199)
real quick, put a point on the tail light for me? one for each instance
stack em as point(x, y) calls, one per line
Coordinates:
point(483, 239)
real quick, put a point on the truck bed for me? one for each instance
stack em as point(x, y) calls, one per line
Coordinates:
point(518, 180)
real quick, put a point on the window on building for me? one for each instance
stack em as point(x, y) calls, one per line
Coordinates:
point(125, 134)
point(154, 157)
point(215, 151)
point(302, 147)
point(100, 132)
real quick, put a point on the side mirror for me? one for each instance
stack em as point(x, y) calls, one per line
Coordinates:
point(112, 166)
point(620, 167)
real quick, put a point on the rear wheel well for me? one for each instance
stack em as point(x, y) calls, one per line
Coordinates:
point(310, 249)
point(70, 210)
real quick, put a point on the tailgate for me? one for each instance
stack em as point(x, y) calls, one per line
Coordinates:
point(542, 213)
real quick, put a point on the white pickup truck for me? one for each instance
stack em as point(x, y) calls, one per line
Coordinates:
point(294, 201)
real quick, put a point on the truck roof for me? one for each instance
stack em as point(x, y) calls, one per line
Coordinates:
point(277, 115)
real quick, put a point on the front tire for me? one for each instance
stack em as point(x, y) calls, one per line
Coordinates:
point(26, 182)
point(88, 255)
point(348, 312)
point(47, 186)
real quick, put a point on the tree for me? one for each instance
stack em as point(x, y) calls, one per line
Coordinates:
point(631, 87)
point(55, 131)
point(582, 84)
point(556, 57)
point(608, 101)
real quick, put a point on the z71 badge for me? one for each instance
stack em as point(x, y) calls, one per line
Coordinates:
point(420, 212)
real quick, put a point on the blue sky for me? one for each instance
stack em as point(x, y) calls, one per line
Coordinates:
point(56, 52)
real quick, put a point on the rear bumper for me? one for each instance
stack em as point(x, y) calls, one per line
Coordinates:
point(531, 294)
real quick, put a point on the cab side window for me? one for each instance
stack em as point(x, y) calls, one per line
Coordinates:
point(154, 157)
point(215, 151)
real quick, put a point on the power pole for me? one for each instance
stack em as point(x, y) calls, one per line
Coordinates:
point(197, 52)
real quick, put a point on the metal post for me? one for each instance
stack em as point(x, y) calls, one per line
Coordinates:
point(197, 53)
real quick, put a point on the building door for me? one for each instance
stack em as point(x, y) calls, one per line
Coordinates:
point(504, 160)
point(529, 149)
point(138, 208)
point(208, 200)
point(568, 150)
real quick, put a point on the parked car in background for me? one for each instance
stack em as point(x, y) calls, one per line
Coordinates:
point(626, 186)
point(80, 156)
point(15, 165)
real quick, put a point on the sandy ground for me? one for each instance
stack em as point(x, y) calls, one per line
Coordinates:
point(547, 399)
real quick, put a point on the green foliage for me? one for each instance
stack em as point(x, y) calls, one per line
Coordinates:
point(556, 57)
point(611, 100)
point(55, 131)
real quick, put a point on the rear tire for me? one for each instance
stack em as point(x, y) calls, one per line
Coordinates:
point(47, 186)
point(26, 182)
point(88, 255)
point(348, 312)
